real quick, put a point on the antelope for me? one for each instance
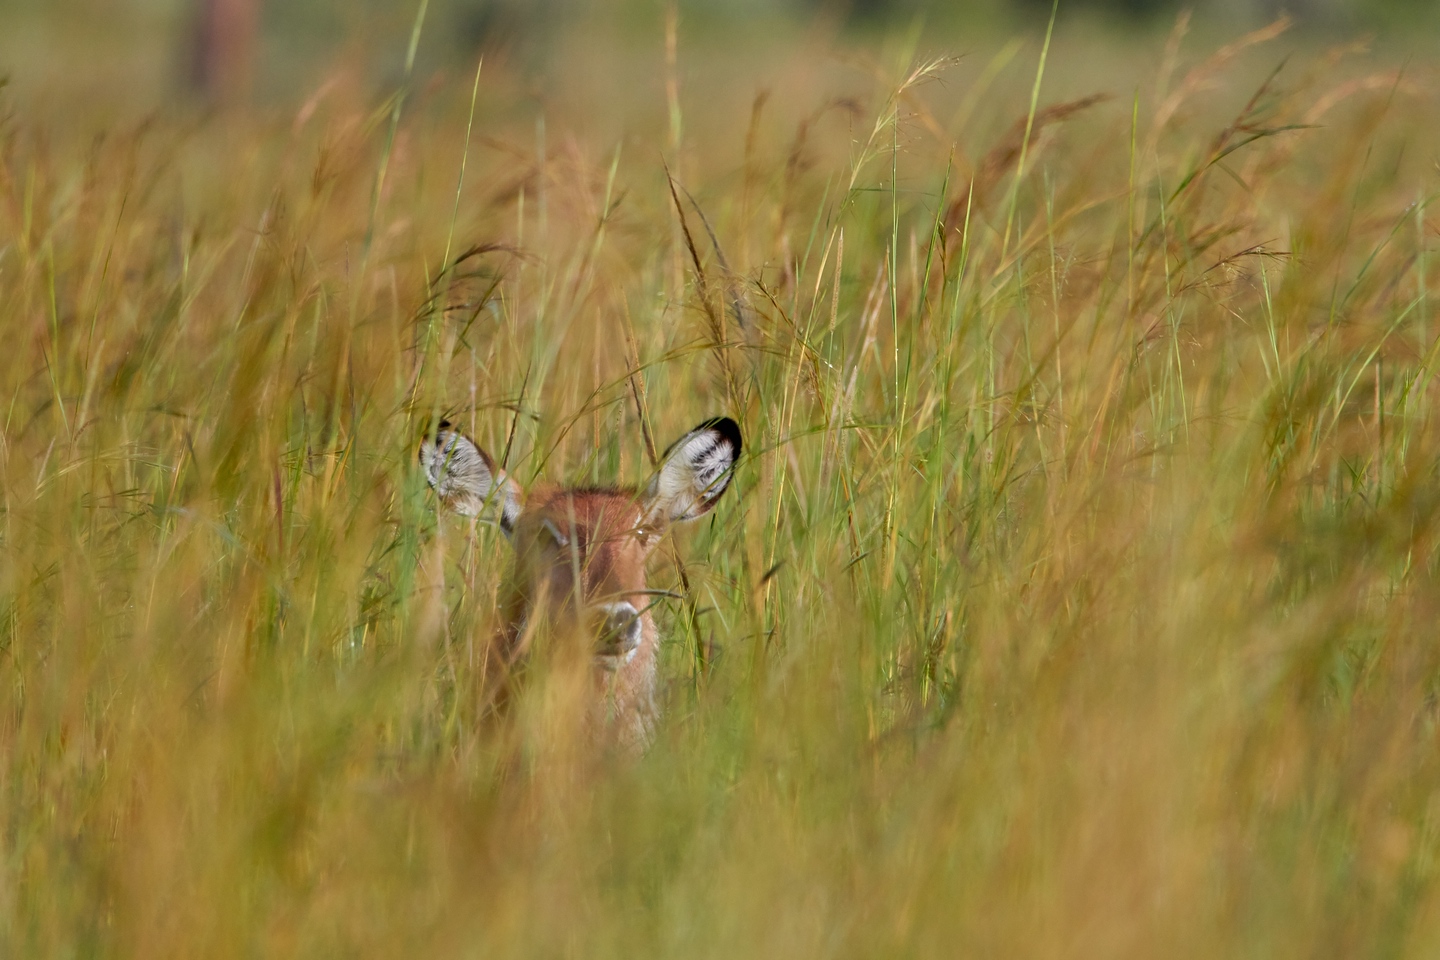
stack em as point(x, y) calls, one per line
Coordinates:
point(580, 557)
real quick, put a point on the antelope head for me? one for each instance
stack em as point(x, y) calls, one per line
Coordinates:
point(581, 552)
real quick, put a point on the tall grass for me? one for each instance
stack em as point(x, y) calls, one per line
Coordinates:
point(1075, 596)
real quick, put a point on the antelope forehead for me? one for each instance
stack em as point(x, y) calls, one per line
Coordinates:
point(595, 516)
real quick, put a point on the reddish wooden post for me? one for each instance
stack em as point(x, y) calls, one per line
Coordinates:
point(225, 47)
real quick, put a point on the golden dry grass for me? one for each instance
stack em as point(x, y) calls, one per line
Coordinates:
point(1075, 597)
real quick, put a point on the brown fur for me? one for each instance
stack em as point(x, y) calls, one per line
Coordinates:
point(611, 560)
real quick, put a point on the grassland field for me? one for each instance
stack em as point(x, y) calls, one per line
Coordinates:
point(1077, 592)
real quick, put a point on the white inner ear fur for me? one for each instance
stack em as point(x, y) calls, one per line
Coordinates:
point(694, 474)
point(466, 480)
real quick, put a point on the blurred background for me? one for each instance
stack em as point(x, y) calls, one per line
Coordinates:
point(150, 51)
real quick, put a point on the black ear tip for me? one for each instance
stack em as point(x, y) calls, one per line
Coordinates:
point(728, 429)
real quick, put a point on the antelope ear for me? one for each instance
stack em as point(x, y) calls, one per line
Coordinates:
point(695, 471)
point(466, 478)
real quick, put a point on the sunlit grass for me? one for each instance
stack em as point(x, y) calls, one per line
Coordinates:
point(1075, 597)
